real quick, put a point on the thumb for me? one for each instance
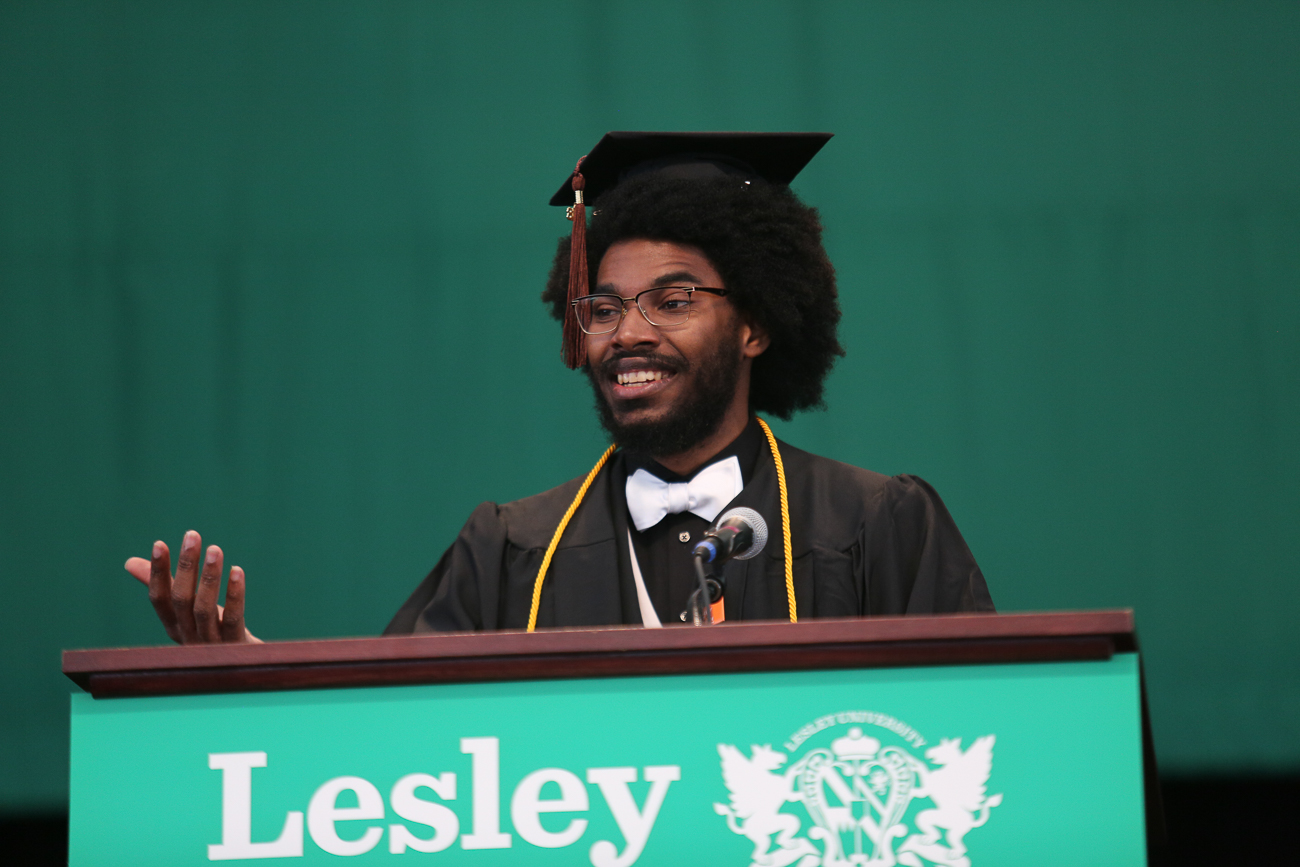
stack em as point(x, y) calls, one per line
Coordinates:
point(139, 569)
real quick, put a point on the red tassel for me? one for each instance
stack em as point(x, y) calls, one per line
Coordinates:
point(573, 350)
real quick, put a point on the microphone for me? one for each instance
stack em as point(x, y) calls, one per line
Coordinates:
point(737, 534)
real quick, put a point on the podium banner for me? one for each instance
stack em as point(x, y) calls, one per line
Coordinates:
point(1004, 764)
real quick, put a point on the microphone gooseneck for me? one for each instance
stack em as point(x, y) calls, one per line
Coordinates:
point(699, 603)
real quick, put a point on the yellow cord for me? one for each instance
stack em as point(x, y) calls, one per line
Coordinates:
point(591, 476)
point(559, 531)
point(785, 520)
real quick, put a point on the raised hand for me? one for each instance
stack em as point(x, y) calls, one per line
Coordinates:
point(187, 604)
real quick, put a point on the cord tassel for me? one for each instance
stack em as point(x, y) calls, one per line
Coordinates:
point(572, 351)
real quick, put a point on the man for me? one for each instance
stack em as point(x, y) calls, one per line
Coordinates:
point(711, 299)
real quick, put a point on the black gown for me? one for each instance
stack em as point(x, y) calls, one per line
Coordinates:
point(864, 544)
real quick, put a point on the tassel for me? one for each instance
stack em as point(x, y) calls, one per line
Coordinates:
point(573, 349)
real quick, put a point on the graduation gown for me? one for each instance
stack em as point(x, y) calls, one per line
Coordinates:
point(863, 543)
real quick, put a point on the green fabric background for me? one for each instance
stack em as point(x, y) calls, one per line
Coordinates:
point(270, 270)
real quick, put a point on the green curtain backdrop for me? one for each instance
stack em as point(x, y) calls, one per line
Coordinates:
point(271, 270)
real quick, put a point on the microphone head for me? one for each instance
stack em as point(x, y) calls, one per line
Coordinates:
point(756, 524)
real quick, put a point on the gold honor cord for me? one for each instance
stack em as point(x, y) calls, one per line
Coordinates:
point(559, 531)
point(785, 520)
point(591, 476)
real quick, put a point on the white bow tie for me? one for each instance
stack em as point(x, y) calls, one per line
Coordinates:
point(650, 498)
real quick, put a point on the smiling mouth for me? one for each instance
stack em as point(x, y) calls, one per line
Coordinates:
point(640, 378)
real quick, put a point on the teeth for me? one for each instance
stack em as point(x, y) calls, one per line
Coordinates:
point(638, 376)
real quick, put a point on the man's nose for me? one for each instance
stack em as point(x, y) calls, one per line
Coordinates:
point(634, 329)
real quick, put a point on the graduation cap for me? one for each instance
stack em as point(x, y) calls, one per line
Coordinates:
point(775, 157)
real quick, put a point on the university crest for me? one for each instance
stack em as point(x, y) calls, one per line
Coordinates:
point(862, 803)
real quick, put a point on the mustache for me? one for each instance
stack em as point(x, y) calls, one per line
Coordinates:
point(608, 367)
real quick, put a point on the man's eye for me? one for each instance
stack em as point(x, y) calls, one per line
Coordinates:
point(605, 312)
point(675, 303)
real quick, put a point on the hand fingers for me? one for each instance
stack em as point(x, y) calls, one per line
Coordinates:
point(232, 619)
point(183, 588)
point(206, 620)
point(160, 588)
point(138, 568)
point(187, 606)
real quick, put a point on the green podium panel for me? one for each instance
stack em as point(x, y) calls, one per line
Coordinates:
point(1004, 764)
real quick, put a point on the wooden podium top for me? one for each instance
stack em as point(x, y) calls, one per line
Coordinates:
point(877, 642)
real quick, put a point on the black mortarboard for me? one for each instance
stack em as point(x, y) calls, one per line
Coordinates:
point(775, 157)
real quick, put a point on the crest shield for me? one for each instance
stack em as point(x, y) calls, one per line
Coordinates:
point(856, 795)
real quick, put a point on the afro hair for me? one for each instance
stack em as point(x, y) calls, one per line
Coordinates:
point(767, 246)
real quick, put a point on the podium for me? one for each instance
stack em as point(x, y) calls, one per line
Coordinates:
point(950, 740)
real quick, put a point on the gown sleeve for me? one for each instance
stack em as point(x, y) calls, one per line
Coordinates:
point(461, 593)
point(933, 569)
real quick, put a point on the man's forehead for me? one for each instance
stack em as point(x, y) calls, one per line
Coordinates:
point(630, 266)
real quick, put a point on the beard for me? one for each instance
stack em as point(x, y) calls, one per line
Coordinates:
point(690, 421)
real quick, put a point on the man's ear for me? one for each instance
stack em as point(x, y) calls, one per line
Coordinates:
point(753, 339)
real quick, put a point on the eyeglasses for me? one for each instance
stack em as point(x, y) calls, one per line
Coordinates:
point(662, 307)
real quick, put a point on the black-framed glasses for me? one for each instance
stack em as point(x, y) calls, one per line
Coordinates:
point(662, 307)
